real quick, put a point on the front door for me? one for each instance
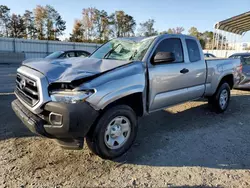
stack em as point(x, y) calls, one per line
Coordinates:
point(168, 82)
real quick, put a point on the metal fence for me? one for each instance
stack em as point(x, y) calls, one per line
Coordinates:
point(40, 48)
point(224, 53)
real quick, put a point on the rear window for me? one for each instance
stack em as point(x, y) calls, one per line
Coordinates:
point(245, 59)
point(193, 50)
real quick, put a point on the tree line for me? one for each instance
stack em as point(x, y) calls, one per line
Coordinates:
point(94, 25)
point(43, 23)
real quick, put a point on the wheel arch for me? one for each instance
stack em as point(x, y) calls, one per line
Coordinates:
point(134, 100)
point(229, 78)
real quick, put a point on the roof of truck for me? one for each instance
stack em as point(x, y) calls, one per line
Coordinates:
point(138, 39)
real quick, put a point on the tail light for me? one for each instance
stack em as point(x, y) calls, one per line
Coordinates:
point(239, 68)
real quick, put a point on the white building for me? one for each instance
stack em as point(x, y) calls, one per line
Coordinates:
point(239, 46)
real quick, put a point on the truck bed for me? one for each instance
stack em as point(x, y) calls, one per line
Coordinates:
point(217, 68)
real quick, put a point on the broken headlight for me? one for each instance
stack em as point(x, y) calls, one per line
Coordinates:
point(71, 96)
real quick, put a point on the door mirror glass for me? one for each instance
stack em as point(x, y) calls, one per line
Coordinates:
point(164, 57)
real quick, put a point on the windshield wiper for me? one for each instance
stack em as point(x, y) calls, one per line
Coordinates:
point(133, 55)
point(109, 52)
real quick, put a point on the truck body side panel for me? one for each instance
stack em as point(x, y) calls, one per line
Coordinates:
point(219, 68)
point(117, 84)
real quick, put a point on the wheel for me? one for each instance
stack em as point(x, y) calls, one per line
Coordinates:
point(221, 98)
point(114, 133)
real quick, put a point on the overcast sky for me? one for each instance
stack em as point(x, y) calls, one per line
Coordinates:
point(202, 14)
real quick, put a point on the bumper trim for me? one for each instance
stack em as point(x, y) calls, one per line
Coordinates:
point(31, 121)
point(76, 122)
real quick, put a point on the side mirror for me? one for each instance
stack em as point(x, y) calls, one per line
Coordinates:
point(163, 57)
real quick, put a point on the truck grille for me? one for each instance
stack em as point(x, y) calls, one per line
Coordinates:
point(26, 89)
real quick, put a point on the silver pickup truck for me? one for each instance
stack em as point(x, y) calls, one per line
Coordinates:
point(99, 98)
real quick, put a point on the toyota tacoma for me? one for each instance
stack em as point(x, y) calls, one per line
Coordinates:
point(99, 98)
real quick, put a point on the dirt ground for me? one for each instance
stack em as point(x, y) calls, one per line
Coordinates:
point(184, 146)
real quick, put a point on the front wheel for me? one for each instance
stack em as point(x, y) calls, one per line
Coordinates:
point(221, 98)
point(114, 132)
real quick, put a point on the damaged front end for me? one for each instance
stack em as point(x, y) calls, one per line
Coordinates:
point(69, 99)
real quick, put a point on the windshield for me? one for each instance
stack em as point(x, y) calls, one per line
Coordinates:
point(123, 49)
point(54, 55)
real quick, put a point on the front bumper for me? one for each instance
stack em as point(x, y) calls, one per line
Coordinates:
point(76, 121)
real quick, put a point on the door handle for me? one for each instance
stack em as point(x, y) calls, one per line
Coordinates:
point(184, 71)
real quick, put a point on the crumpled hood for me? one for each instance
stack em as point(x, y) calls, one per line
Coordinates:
point(73, 69)
point(32, 60)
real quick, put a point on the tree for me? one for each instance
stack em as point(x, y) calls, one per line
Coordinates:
point(54, 23)
point(29, 23)
point(17, 26)
point(170, 31)
point(123, 24)
point(147, 28)
point(177, 30)
point(94, 26)
point(128, 26)
point(207, 36)
point(50, 14)
point(78, 32)
point(202, 42)
point(101, 24)
point(88, 22)
point(117, 21)
point(60, 26)
point(40, 15)
point(163, 32)
point(48, 23)
point(4, 20)
point(193, 31)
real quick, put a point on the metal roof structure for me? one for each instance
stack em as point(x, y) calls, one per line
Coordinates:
point(239, 24)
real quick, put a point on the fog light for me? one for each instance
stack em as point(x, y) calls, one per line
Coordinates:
point(55, 119)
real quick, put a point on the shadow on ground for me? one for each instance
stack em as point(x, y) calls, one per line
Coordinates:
point(184, 136)
point(199, 186)
point(10, 125)
point(195, 137)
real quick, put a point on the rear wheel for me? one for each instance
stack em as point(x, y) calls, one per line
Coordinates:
point(114, 132)
point(220, 100)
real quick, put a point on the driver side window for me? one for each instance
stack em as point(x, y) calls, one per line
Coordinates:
point(171, 45)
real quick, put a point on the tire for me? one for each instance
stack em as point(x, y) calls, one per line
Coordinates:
point(116, 124)
point(220, 100)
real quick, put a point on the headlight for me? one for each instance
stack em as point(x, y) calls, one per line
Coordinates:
point(71, 96)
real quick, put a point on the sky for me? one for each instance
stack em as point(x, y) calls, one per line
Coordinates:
point(202, 14)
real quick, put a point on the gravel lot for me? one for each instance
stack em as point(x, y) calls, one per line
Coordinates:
point(184, 146)
point(7, 77)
